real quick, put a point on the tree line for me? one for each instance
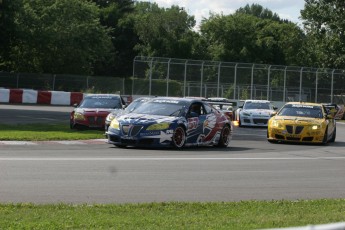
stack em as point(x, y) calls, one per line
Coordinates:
point(102, 37)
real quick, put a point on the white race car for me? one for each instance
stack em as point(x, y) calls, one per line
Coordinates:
point(255, 113)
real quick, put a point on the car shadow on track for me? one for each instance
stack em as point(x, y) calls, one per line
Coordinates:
point(334, 144)
point(192, 149)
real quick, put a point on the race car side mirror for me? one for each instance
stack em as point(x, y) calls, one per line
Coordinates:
point(329, 116)
point(275, 108)
point(273, 114)
point(75, 105)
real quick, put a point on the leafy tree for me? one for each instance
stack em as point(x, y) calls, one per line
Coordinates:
point(259, 11)
point(8, 30)
point(116, 15)
point(247, 38)
point(60, 36)
point(164, 32)
point(324, 21)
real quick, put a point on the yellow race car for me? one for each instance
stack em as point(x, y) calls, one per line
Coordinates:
point(302, 122)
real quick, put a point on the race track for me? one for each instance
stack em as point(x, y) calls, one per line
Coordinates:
point(96, 172)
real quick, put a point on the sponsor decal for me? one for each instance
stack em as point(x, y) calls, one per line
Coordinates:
point(193, 123)
point(169, 131)
point(151, 133)
point(166, 101)
point(303, 106)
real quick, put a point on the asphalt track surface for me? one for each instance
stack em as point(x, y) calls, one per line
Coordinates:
point(96, 172)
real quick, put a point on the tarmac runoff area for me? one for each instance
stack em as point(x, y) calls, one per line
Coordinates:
point(74, 142)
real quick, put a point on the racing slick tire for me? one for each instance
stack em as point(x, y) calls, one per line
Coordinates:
point(334, 135)
point(239, 121)
point(179, 138)
point(224, 138)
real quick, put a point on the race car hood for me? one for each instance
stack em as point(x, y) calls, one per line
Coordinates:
point(265, 112)
point(298, 120)
point(96, 111)
point(144, 119)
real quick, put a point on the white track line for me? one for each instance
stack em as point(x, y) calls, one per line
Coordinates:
point(18, 143)
point(159, 159)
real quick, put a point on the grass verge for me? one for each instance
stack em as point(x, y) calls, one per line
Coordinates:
point(45, 132)
point(174, 215)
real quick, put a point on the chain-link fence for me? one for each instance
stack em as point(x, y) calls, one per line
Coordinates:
point(68, 83)
point(237, 81)
point(198, 78)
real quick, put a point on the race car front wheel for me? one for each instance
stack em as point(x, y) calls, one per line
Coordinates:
point(179, 137)
point(325, 137)
point(334, 135)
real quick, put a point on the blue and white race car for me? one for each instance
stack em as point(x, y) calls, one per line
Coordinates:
point(171, 122)
point(255, 113)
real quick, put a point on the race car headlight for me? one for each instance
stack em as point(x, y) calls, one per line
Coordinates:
point(315, 127)
point(79, 116)
point(245, 114)
point(115, 124)
point(110, 117)
point(276, 124)
point(158, 126)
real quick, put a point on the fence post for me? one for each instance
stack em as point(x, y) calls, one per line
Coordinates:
point(87, 82)
point(332, 85)
point(268, 83)
point(185, 79)
point(300, 84)
point(150, 78)
point(54, 76)
point(284, 90)
point(17, 86)
point(218, 83)
point(202, 78)
point(133, 76)
point(167, 94)
point(316, 84)
point(235, 81)
point(123, 86)
point(205, 90)
point(252, 82)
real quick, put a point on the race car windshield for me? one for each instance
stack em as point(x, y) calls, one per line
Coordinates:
point(253, 105)
point(133, 105)
point(312, 111)
point(164, 109)
point(104, 103)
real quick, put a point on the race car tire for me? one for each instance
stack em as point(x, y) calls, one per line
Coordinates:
point(179, 138)
point(333, 135)
point(224, 138)
point(270, 140)
point(325, 137)
point(239, 121)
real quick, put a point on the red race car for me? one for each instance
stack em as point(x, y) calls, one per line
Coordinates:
point(93, 109)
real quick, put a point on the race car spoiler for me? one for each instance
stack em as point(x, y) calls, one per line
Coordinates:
point(221, 104)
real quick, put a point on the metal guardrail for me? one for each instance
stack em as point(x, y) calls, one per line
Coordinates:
point(63, 82)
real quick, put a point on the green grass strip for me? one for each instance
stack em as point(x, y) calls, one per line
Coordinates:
point(46, 132)
point(174, 215)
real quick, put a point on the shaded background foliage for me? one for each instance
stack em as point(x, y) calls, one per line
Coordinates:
point(102, 37)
